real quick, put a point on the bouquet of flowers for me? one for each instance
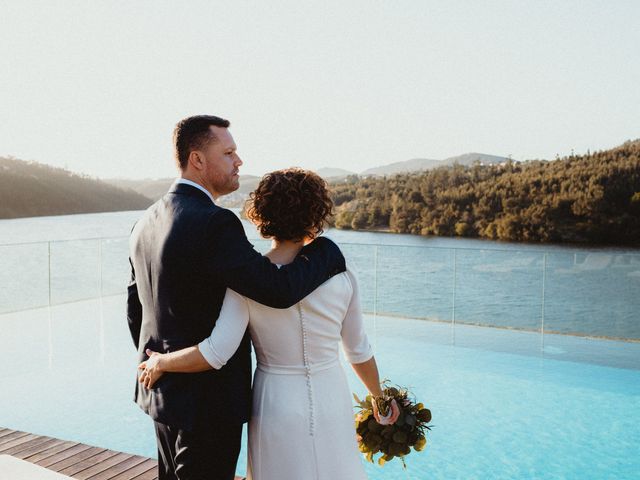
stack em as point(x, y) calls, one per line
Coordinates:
point(403, 425)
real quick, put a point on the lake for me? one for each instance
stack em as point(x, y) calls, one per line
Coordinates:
point(550, 288)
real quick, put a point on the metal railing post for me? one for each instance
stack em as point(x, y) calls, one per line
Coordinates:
point(453, 299)
point(100, 280)
point(375, 298)
point(49, 319)
point(544, 286)
point(49, 272)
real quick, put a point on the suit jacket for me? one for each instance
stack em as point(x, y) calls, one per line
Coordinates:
point(184, 253)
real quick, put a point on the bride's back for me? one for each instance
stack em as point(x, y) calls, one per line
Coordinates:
point(307, 333)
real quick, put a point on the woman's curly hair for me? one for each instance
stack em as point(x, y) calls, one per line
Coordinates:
point(290, 204)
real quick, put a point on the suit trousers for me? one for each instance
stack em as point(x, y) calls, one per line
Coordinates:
point(201, 455)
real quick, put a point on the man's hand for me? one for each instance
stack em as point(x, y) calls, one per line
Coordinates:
point(151, 369)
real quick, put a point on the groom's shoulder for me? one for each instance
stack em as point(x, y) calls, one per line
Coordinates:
point(186, 206)
point(224, 228)
point(223, 219)
point(195, 212)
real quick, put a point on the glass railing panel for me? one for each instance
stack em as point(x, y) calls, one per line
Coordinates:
point(75, 270)
point(18, 330)
point(361, 259)
point(593, 294)
point(114, 332)
point(585, 293)
point(115, 270)
point(415, 282)
point(24, 276)
point(84, 319)
point(499, 288)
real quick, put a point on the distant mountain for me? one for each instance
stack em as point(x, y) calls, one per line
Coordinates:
point(419, 164)
point(334, 174)
point(29, 189)
point(471, 158)
point(155, 188)
point(151, 188)
point(413, 165)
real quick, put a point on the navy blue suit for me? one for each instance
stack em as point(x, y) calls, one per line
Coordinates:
point(185, 252)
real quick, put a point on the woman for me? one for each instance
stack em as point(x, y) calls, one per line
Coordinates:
point(302, 420)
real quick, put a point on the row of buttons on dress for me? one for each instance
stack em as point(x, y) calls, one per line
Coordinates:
point(307, 368)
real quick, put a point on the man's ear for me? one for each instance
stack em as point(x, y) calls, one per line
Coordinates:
point(196, 160)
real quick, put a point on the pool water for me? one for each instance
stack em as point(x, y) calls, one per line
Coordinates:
point(505, 405)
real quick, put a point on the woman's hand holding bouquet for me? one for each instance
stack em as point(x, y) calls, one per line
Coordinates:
point(391, 424)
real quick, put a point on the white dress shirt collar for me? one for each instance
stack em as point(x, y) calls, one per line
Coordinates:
point(197, 185)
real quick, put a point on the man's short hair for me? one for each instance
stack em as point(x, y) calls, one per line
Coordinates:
point(192, 133)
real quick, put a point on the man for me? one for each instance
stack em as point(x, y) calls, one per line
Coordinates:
point(184, 253)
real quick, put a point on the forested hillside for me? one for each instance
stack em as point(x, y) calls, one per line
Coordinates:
point(593, 198)
point(30, 189)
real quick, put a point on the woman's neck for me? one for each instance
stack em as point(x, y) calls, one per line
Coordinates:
point(284, 251)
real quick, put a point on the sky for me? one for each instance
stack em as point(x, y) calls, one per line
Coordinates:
point(97, 86)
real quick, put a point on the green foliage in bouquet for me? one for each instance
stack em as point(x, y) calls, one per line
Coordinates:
point(396, 440)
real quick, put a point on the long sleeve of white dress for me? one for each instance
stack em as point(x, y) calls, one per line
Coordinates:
point(227, 334)
point(232, 323)
point(354, 338)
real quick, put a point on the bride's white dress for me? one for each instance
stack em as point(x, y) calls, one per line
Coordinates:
point(302, 426)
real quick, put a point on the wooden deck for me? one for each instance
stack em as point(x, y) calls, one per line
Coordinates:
point(76, 460)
